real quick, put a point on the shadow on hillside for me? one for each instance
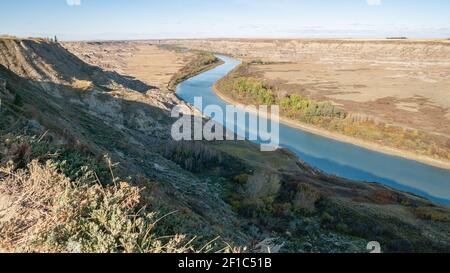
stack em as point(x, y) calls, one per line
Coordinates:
point(69, 66)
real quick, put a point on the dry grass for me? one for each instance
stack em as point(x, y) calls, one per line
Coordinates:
point(144, 61)
point(432, 214)
point(49, 213)
point(306, 198)
point(83, 85)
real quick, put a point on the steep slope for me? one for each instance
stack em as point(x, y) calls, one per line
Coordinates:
point(222, 189)
point(47, 62)
point(129, 126)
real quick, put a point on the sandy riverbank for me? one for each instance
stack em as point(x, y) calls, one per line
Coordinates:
point(350, 140)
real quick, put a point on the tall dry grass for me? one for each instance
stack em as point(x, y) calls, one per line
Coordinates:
point(46, 212)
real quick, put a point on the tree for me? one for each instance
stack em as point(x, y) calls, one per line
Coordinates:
point(56, 39)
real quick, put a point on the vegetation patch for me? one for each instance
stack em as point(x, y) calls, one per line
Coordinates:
point(432, 214)
point(50, 213)
point(57, 202)
point(203, 61)
point(192, 156)
point(244, 86)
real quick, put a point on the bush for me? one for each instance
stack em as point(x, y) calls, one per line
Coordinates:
point(202, 62)
point(245, 85)
point(18, 101)
point(297, 105)
point(49, 213)
point(255, 88)
point(192, 156)
point(432, 214)
point(261, 189)
point(241, 179)
point(306, 198)
point(71, 162)
point(53, 199)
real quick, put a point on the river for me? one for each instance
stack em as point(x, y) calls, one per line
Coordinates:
point(331, 156)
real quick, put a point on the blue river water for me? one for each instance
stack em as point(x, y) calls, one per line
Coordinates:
point(331, 156)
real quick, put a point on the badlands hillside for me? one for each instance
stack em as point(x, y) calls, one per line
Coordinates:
point(88, 165)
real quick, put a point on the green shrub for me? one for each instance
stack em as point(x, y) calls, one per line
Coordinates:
point(327, 221)
point(18, 101)
point(202, 62)
point(297, 105)
point(306, 198)
point(192, 156)
point(246, 86)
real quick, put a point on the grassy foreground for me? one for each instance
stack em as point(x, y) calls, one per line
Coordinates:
point(93, 211)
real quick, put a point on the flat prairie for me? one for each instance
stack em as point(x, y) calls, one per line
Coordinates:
point(142, 60)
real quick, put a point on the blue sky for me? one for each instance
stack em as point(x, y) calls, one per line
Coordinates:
point(139, 19)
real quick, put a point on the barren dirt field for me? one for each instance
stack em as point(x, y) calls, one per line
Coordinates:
point(142, 60)
point(401, 82)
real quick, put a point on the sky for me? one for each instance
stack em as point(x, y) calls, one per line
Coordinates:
point(157, 19)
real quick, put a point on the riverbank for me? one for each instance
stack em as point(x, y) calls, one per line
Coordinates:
point(202, 63)
point(346, 139)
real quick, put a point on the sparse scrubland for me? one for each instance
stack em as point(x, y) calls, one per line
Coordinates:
point(94, 169)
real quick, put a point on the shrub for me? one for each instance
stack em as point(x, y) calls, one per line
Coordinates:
point(192, 156)
point(241, 179)
point(248, 86)
point(49, 213)
point(245, 85)
point(202, 62)
point(306, 198)
point(327, 221)
point(298, 105)
point(262, 188)
point(432, 214)
point(70, 161)
point(18, 101)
